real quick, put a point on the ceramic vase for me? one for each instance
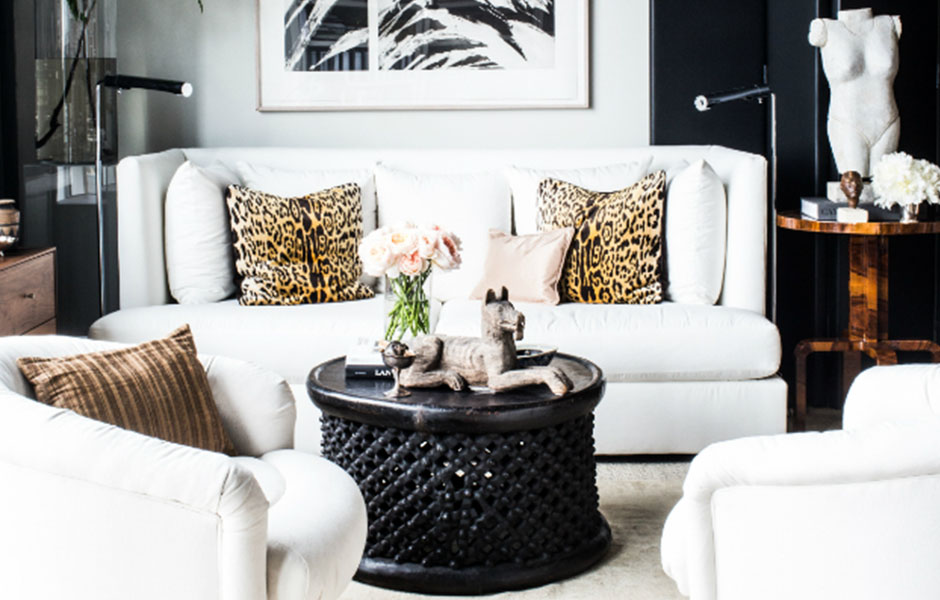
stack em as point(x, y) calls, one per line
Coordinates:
point(9, 224)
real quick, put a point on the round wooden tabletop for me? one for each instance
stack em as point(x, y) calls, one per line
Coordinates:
point(793, 219)
point(444, 410)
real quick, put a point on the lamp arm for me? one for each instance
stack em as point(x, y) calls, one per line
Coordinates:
point(129, 82)
point(704, 102)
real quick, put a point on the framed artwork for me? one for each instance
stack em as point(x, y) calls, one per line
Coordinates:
point(426, 54)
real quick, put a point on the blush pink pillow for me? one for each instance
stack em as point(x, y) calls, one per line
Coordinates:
point(528, 265)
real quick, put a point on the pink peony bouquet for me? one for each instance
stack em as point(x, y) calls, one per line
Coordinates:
point(404, 254)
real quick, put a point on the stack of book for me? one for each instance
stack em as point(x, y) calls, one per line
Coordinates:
point(364, 361)
point(824, 209)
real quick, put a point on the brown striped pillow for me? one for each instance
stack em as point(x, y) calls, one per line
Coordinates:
point(158, 388)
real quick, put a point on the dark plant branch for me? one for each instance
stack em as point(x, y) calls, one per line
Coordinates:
point(54, 123)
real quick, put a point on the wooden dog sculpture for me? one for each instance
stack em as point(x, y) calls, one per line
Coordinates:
point(489, 360)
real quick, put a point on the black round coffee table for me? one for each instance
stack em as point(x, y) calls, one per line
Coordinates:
point(469, 492)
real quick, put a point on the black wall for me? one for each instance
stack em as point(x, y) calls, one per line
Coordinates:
point(9, 180)
point(712, 45)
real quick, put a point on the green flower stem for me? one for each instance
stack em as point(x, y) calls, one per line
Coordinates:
point(411, 313)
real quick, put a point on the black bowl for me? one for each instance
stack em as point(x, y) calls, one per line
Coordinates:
point(535, 356)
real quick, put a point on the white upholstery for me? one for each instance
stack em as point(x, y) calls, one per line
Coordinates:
point(465, 204)
point(727, 354)
point(287, 339)
point(696, 224)
point(654, 342)
point(200, 263)
point(841, 514)
point(118, 514)
point(143, 180)
point(910, 392)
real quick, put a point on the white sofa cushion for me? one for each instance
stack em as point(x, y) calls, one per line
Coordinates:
point(468, 204)
point(657, 342)
point(696, 223)
point(525, 182)
point(198, 240)
point(288, 340)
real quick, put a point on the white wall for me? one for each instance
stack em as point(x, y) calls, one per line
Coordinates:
point(216, 52)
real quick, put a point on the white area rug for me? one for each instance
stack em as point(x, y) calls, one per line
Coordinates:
point(635, 497)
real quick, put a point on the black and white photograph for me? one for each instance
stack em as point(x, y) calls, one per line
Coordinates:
point(326, 35)
point(473, 34)
point(422, 54)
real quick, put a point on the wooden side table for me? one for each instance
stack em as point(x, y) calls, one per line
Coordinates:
point(27, 292)
point(868, 300)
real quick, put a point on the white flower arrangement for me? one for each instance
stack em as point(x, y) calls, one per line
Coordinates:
point(405, 254)
point(900, 179)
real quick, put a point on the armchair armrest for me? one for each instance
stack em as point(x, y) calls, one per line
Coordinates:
point(895, 393)
point(115, 511)
point(256, 405)
point(889, 451)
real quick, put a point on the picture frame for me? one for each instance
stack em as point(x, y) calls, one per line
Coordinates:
point(400, 55)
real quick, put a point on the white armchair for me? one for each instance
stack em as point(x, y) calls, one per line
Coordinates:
point(841, 514)
point(93, 511)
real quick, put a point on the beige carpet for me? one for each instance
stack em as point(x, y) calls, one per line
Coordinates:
point(636, 496)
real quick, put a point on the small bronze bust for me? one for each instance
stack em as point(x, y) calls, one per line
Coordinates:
point(851, 185)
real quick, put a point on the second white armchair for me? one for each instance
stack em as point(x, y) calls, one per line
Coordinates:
point(842, 514)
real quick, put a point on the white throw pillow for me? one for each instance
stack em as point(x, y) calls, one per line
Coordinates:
point(468, 204)
point(290, 183)
point(197, 237)
point(525, 186)
point(696, 231)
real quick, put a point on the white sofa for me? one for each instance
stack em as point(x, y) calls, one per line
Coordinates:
point(840, 514)
point(679, 377)
point(89, 511)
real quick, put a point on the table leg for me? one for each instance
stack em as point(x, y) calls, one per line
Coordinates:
point(915, 346)
point(881, 352)
point(851, 367)
point(803, 350)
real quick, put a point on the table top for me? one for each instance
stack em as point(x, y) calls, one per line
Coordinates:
point(441, 410)
point(792, 219)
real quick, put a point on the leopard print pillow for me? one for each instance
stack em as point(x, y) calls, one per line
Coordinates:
point(615, 254)
point(297, 250)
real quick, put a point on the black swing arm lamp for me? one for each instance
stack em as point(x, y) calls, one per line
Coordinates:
point(704, 102)
point(121, 82)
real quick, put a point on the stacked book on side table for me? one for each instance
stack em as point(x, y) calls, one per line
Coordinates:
point(824, 209)
point(364, 361)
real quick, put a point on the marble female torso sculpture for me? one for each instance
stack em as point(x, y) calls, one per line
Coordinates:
point(860, 59)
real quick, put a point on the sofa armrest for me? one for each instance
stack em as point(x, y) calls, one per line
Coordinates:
point(256, 405)
point(115, 511)
point(895, 393)
point(886, 452)
point(142, 182)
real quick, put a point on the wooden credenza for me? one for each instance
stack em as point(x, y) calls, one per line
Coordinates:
point(27, 292)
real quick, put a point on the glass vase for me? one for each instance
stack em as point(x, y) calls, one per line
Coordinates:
point(76, 45)
point(407, 306)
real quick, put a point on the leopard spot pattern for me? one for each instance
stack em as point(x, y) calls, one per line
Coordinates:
point(297, 250)
point(615, 255)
